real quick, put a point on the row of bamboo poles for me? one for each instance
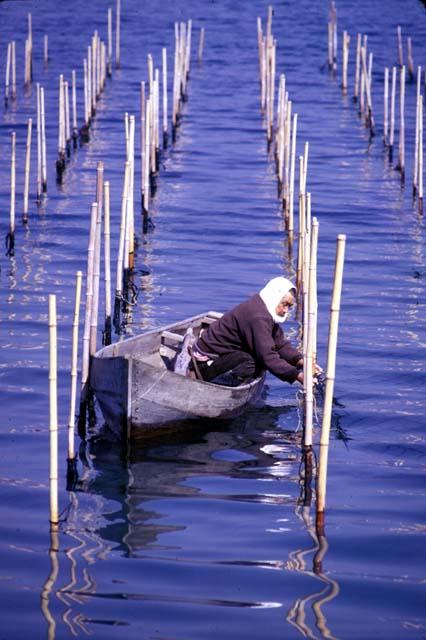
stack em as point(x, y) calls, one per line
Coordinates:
point(395, 79)
point(281, 131)
point(153, 128)
point(99, 55)
point(97, 67)
point(10, 87)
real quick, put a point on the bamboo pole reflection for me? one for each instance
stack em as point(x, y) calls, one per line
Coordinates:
point(50, 582)
point(86, 548)
point(298, 615)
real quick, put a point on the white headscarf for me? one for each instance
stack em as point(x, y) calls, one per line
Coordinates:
point(273, 292)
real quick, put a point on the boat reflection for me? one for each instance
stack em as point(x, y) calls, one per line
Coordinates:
point(113, 509)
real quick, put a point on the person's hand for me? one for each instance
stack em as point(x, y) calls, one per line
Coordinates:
point(299, 363)
point(300, 377)
point(317, 369)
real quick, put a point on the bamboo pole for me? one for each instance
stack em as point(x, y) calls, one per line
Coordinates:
point(86, 94)
point(259, 48)
point(401, 165)
point(74, 358)
point(292, 175)
point(97, 59)
point(305, 166)
point(400, 49)
point(26, 65)
point(74, 108)
point(10, 238)
point(363, 79)
point(39, 145)
point(142, 117)
point(109, 48)
point(43, 142)
point(7, 79)
point(147, 156)
point(53, 413)
point(305, 279)
point(89, 83)
point(386, 108)
point(188, 51)
point(330, 45)
point(392, 114)
point(263, 76)
point(272, 90)
point(107, 265)
point(269, 90)
point(165, 106)
point(269, 21)
point(27, 170)
point(101, 66)
point(330, 377)
point(130, 235)
point(181, 41)
point(157, 121)
point(301, 234)
point(268, 86)
point(13, 61)
point(117, 34)
point(30, 46)
point(120, 257)
point(201, 44)
point(361, 108)
point(97, 258)
point(104, 65)
point(175, 108)
point(308, 371)
point(93, 75)
point(416, 144)
point(60, 163)
point(357, 67)
point(287, 144)
point(45, 49)
point(85, 365)
point(280, 138)
point(410, 62)
point(366, 75)
point(28, 62)
point(345, 58)
point(420, 170)
point(370, 72)
point(334, 37)
point(67, 127)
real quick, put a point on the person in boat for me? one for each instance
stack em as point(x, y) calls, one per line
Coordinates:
point(248, 340)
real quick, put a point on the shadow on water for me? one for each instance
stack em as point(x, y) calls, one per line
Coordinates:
point(111, 511)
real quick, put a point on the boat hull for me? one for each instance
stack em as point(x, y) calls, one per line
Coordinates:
point(137, 392)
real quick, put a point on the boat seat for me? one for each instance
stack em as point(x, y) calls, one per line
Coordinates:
point(169, 336)
point(207, 320)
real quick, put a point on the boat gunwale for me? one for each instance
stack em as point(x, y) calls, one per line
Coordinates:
point(99, 355)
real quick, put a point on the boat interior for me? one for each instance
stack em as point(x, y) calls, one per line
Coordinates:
point(171, 345)
point(160, 348)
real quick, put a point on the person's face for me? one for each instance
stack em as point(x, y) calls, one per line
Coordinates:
point(285, 304)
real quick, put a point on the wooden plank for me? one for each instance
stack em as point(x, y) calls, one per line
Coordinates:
point(171, 337)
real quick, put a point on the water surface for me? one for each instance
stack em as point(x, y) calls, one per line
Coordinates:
point(206, 536)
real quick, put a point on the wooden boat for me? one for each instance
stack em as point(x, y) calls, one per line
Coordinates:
point(137, 389)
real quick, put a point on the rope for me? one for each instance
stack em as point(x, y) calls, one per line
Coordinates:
point(300, 398)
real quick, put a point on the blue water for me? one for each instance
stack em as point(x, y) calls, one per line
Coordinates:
point(205, 536)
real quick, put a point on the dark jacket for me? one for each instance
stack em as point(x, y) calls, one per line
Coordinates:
point(250, 327)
